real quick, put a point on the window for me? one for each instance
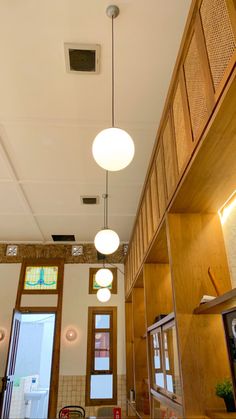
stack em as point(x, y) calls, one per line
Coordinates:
point(40, 278)
point(164, 362)
point(94, 287)
point(101, 382)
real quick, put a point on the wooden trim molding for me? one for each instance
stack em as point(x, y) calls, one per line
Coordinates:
point(92, 311)
point(52, 410)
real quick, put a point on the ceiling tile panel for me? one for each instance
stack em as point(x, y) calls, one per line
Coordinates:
point(18, 228)
point(11, 199)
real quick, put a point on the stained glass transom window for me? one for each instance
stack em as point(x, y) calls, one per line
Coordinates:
point(41, 278)
point(97, 287)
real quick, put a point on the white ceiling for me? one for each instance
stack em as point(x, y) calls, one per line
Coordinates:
point(49, 118)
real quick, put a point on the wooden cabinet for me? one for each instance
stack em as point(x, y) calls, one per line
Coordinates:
point(177, 234)
point(203, 75)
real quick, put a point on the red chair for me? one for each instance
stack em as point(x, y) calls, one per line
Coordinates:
point(69, 412)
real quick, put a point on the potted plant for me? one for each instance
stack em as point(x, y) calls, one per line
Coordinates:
point(224, 389)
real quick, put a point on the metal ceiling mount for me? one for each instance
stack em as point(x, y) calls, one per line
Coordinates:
point(112, 11)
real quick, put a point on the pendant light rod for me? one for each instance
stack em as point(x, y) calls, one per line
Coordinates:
point(105, 197)
point(112, 12)
point(112, 75)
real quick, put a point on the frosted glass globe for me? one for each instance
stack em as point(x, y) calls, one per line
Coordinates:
point(71, 334)
point(103, 295)
point(113, 149)
point(104, 277)
point(106, 241)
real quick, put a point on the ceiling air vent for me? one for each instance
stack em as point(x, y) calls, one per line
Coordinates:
point(90, 200)
point(82, 58)
point(63, 237)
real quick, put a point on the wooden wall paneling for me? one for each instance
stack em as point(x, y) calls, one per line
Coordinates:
point(144, 225)
point(196, 243)
point(126, 276)
point(132, 263)
point(150, 228)
point(218, 22)
point(161, 182)
point(140, 235)
point(136, 252)
point(158, 252)
point(129, 348)
point(210, 178)
point(182, 127)
point(170, 158)
point(140, 349)
point(154, 198)
point(136, 266)
point(157, 291)
point(231, 8)
point(198, 81)
point(138, 245)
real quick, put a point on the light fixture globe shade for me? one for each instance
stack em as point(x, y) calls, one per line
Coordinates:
point(113, 149)
point(103, 295)
point(71, 335)
point(106, 241)
point(104, 277)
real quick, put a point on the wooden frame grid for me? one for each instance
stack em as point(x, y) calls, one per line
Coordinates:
point(92, 312)
point(42, 309)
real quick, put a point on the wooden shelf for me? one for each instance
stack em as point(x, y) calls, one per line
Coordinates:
point(220, 414)
point(165, 319)
point(219, 304)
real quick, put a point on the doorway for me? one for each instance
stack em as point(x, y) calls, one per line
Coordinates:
point(33, 365)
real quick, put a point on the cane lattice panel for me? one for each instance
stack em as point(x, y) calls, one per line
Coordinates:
point(219, 37)
point(182, 144)
point(169, 157)
point(195, 85)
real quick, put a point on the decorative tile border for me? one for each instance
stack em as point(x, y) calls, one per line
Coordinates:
point(58, 251)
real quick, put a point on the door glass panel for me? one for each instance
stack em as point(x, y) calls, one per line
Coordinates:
point(102, 321)
point(171, 361)
point(102, 351)
point(101, 386)
point(158, 375)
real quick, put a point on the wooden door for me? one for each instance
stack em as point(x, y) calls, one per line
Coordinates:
point(10, 367)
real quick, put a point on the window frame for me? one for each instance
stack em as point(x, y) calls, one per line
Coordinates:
point(93, 271)
point(38, 263)
point(92, 312)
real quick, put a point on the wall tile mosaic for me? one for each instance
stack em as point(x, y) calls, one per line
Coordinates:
point(72, 392)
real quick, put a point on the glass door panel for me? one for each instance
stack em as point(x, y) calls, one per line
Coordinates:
point(157, 363)
point(173, 382)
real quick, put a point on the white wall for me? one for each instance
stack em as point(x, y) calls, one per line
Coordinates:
point(9, 278)
point(76, 301)
point(229, 231)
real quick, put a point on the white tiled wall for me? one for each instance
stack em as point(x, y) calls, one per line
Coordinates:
point(18, 406)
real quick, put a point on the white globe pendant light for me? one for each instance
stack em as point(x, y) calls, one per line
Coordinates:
point(104, 277)
point(106, 241)
point(103, 295)
point(113, 148)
